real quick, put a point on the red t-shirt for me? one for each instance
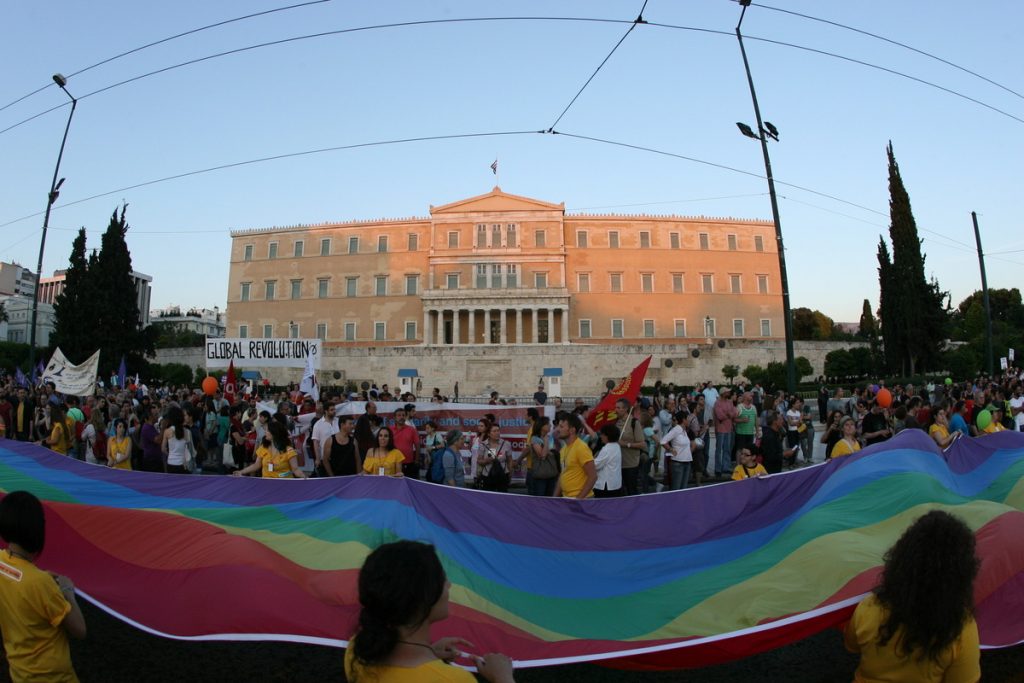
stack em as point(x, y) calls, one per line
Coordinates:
point(407, 440)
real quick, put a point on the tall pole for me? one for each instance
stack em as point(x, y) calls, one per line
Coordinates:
point(787, 316)
point(988, 307)
point(50, 199)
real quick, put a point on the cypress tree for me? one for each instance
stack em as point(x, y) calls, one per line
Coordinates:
point(888, 293)
point(73, 307)
point(867, 329)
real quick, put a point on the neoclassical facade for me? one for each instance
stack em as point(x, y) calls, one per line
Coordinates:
point(500, 269)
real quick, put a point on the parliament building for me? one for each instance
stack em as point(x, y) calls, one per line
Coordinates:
point(500, 270)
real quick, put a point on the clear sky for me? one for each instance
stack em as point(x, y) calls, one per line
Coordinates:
point(674, 90)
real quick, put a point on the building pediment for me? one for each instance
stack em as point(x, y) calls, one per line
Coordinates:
point(496, 201)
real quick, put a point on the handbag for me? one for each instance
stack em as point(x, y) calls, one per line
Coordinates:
point(545, 468)
point(228, 455)
point(496, 478)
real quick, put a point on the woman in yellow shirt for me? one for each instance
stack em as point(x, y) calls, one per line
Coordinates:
point(848, 445)
point(62, 431)
point(119, 447)
point(277, 459)
point(384, 458)
point(940, 429)
point(918, 623)
point(402, 591)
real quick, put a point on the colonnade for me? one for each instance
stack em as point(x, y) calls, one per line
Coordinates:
point(458, 326)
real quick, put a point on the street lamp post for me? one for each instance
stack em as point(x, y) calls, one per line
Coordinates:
point(767, 130)
point(50, 199)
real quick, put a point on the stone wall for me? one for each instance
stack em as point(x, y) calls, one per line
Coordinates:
point(515, 370)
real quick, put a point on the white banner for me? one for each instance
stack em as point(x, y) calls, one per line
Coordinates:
point(1002, 363)
point(261, 353)
point(73, 380)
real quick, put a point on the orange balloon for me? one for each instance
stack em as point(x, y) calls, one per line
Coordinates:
point(210, 386)
point(884, 398)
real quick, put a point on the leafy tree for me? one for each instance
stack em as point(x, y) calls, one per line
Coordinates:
point(730, 372)
point(803, 367)
point(172, 373)
point(809, 325)
point(755, 374)
point(169, 336)
point(840, 363)
point(3, 314)
point(962, 362)
point(912, 309)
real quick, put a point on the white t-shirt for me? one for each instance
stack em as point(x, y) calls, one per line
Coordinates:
point(678, 444)
point(1019, 417)
point(608, 463)
point(323, 430)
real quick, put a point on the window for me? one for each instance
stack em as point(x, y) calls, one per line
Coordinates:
point(321, 288)
point(707, 284)
point(734, 284)
point(412, 285)
point(705, 242)
point(452, 280)
point(539, 238)
point(293, 330)
point(512, 276)
point(613, 239)
point(709, 327)
point(737, 327)
point(481, 276)
point(648, 328)
point(353, 245)
point(585, 329)
point(583, 282)
point(673, 238)
point(248, 253)
point(296, 289)
point(758, 243)
point(271, 287)
point(495, 236)
point(680, 328)
point(300, 248)
point(382, 244)
point(325, 247)
point(350, 331)
point(732, 242)
point(762, 284)
point(677, 283)
point(481, 235)
point(245, 291)
point(617, 328)
point(510, 235)
point(410, 330)
point(453, 239)
point(272, 250)
point(766, 328)
point(321, 331)
point(645, 239)
point(351, 284)
point(616, 282)
point(268, 331)
point(647, 282)
point(381, 285)
point(581, 239)
point(243, 331)
point(413, 243)
point(540, 280)
point(379, 331)
point(496, 276)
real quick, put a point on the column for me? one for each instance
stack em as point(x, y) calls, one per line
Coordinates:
point(472, 325)
point(426, 326)
point(534, 315)
point(487, 326)
point(519, 326)
point(565, 325)
point(504, 327)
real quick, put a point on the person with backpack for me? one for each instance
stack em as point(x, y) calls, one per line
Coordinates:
point(94, 436)
point(433, 448)
point(495, 459)
point(446, 467)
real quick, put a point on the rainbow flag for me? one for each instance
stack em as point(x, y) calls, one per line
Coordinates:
point(670, 580)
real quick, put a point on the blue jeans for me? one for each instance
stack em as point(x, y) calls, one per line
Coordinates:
point(680, 474)
point(723, 452)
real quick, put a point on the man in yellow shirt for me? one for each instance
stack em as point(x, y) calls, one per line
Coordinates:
point(578, 471)
point(38, 611)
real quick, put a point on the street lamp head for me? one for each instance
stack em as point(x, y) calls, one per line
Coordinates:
point(60, 80)
point(772, 131)
point(747, 130)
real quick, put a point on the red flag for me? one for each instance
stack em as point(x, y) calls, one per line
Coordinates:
point(628, 388)
point(229, 387)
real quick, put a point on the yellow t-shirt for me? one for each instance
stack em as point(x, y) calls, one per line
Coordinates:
point(61, 444)
point(843, 448)
point(32, 610)
point(392, 463)
point(993, 427)
point(574, 457)
point(435, 671)
point(739, 474)
point(119, 448)
point(960, 663)
point(276, 465)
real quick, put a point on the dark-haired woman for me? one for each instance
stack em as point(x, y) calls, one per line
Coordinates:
point(918, 623)
point(278, 459)
point(176, 444)
point(402, 591)
point(38, 610)
point(61, 432)
point(384, 459)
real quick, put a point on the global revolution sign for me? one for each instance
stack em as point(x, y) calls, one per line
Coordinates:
point(261, 353)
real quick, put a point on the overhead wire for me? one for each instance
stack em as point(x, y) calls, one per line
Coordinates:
point(165, 40)
point(667, 201)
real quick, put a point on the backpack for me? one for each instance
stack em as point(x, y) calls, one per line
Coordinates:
point(99, 445)
point(437, 465)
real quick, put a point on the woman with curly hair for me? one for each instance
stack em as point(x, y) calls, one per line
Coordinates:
point(402, 591)
point(918, 623)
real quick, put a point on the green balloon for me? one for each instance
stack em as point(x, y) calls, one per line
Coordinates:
point(984, 419)
point(948, 381)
